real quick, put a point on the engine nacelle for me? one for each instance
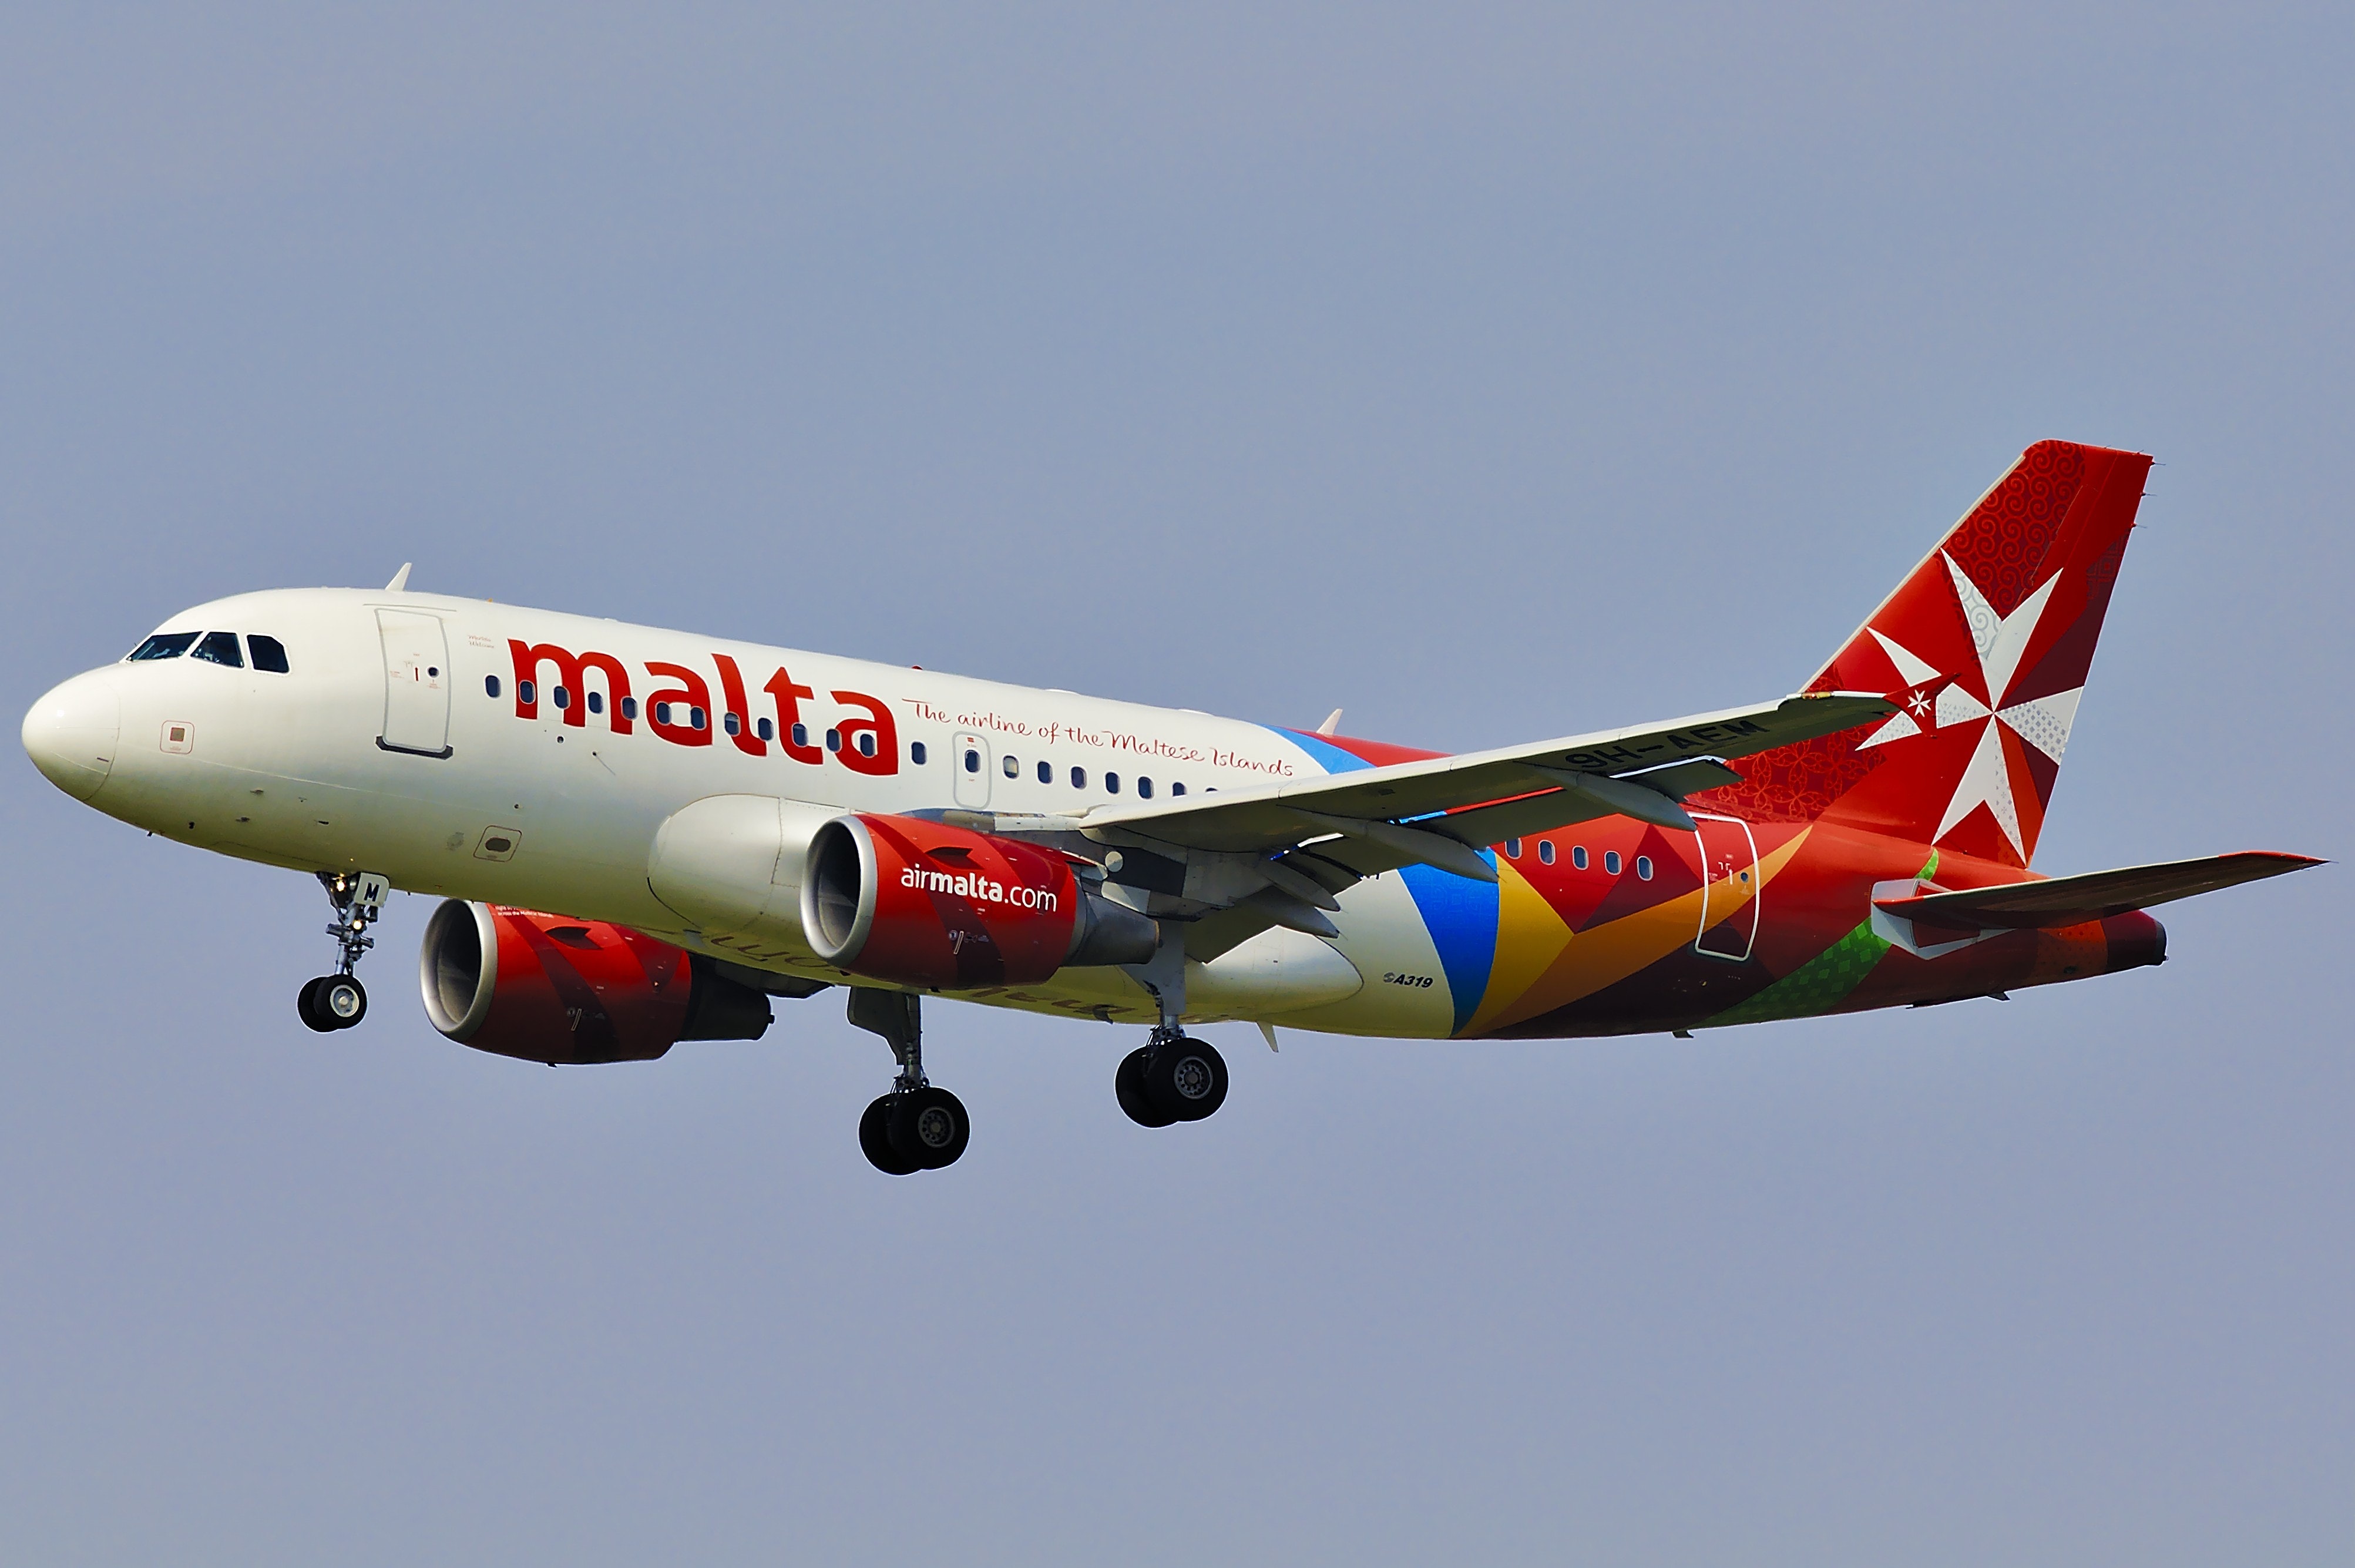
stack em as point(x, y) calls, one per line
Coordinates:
point(923, 903)
point(546, 988)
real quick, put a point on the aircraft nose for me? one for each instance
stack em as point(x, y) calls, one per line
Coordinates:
point(70, 732)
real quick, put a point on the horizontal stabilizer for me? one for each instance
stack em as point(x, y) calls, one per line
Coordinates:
point(2053, 902)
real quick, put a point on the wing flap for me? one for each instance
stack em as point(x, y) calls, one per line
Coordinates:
point(2051, 903)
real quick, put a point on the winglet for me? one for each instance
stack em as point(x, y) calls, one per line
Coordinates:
point(400, 578)
point(1332, 725)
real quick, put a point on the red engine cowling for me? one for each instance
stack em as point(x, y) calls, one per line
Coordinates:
point(923, 903)
point(546, 988)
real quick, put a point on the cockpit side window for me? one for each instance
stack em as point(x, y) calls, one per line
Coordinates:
point(220, 648)
point(165, 645)
point(269, 652)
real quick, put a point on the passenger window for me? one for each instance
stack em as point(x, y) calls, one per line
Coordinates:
point(1578, 856)
point(490, 686)
point(730, 722)
point(766, 730)
point(165, 645)
point(1013, 769)
point(1512, 849)
point(661, 709)
point(867, 742)
point(833, 740)
point(528, 694)
point(269, 652)
point(801, 735)
point(694, 717)
point(1611, 862)
point(972, 761)
point(596, 702)
point(562, 697)
point(1078, 778)
point(1112, 784)
point(1644, 868)
point(1045, 772)
point(915, 750)
point(1177, 789)
point(1545, 850)
point(220, 648)
point(1145, 789)
point(630, 708)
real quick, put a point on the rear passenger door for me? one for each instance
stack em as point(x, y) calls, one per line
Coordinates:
point(416, 683)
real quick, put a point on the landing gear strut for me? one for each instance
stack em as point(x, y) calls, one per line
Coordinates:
point(916, 1126)
point(338, 1000)
point(1173, 1077)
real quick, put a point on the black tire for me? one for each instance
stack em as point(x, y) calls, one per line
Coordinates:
point(1128, 1083)
point(930, 1127)
point(1187, 1078)
point(875, 1139)
point(341, 999)
point(306, 1007)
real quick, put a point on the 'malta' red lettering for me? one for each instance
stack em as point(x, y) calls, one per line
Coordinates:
point(870, 739)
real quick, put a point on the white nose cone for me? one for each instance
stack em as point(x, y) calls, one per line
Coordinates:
point(70, 734)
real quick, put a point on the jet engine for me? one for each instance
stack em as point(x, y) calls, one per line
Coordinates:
point(546, 988)
point(923, 904)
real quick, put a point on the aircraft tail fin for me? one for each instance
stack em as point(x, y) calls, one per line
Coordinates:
point(1985, 646)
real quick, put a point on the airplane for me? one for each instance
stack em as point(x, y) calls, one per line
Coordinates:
point(726, 825)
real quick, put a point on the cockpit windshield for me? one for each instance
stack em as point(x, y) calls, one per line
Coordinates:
point(220, 648)
point(165, 645)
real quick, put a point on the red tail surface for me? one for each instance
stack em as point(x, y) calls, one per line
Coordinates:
point(1986, 646)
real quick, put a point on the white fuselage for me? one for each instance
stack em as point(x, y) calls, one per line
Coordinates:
point(333, 766)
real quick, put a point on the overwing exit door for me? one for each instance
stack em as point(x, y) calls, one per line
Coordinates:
point(416, 683)
point(971, 765)
point(1729, 897)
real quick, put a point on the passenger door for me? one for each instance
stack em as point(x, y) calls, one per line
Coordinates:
point(416, 683)
point(1729, 895)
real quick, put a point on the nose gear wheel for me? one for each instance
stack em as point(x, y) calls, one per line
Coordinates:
point(338, 1000)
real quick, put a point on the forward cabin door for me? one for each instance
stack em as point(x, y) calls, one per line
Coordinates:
point(972, 763)
point(1729, 897)
point(416, 683)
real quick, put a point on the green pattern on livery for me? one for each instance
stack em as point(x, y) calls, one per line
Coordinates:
point(1817, 986)
point(1824, 981)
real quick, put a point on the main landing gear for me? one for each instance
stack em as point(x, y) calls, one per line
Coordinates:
point(339, 1000)
point(917, 1126)
point(1174, 1077)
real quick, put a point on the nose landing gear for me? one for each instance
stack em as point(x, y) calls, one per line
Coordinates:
point(917, 1125)
point(338, 1000)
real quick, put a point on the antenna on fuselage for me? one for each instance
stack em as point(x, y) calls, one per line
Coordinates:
point(400, 578)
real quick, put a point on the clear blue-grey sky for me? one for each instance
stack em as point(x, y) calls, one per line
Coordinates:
point(1489, 371)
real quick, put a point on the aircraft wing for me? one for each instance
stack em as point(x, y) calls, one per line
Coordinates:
point(1481, 797)
point(2053, 902)
point(1234, 863)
